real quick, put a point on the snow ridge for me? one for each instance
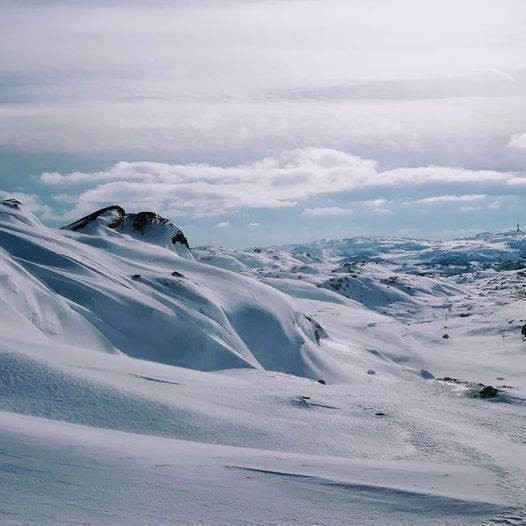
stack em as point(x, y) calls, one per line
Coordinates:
point(146, 226)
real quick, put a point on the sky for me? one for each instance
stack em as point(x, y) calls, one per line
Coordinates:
point(253, 122)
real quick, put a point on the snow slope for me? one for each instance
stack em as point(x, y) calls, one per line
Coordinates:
point(142, 382)
point(150, 302)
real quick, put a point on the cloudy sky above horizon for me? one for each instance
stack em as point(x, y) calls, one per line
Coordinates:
point(268, 121)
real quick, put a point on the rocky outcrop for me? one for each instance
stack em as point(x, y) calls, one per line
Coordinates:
point(12, 203)
point(144, 226)
point(111, 216)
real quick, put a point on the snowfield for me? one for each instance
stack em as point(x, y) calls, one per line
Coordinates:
point(343, 382)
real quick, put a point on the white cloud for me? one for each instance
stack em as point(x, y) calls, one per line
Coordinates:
point(161, 128)
point(375, 206)
point(330, 211)
point(518, 140)
point(254, 225)
point(223, 224)
point(282, 180)
point(201, 189)
point(382, 211)
point(440, 199)
point(372, 203)
point(219, 47)
point(442, 174)
point(204, 79)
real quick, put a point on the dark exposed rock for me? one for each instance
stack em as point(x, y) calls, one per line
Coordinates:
point(478, 390)
point(488, 391)
point(380, 413)
point(319, 331)
point(139, 222)
point(177, 274)
point(446, 336)
point(523, 331)
point(322, 382)
point(12, 203)
point(135, 277)
point(86, 220)
point(180, 238)
point(142, 220)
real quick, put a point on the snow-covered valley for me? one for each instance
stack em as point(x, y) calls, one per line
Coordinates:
point(359, 381)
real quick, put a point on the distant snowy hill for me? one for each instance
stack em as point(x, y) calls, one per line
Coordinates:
point(479, 251)
point(333, 382)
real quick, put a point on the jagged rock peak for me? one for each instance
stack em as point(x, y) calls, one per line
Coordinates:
point(145, 226)
point(11, 202)
point(110, 216)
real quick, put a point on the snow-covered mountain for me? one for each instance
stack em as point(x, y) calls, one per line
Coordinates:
point(145, 226)
point(146, 382)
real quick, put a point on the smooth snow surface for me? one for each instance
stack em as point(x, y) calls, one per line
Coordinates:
point(141, 385)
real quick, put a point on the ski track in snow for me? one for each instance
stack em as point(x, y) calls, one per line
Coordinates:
point(141, 383)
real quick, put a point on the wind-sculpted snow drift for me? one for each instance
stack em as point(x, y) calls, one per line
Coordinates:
point(96, 278)
point(367, 380)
